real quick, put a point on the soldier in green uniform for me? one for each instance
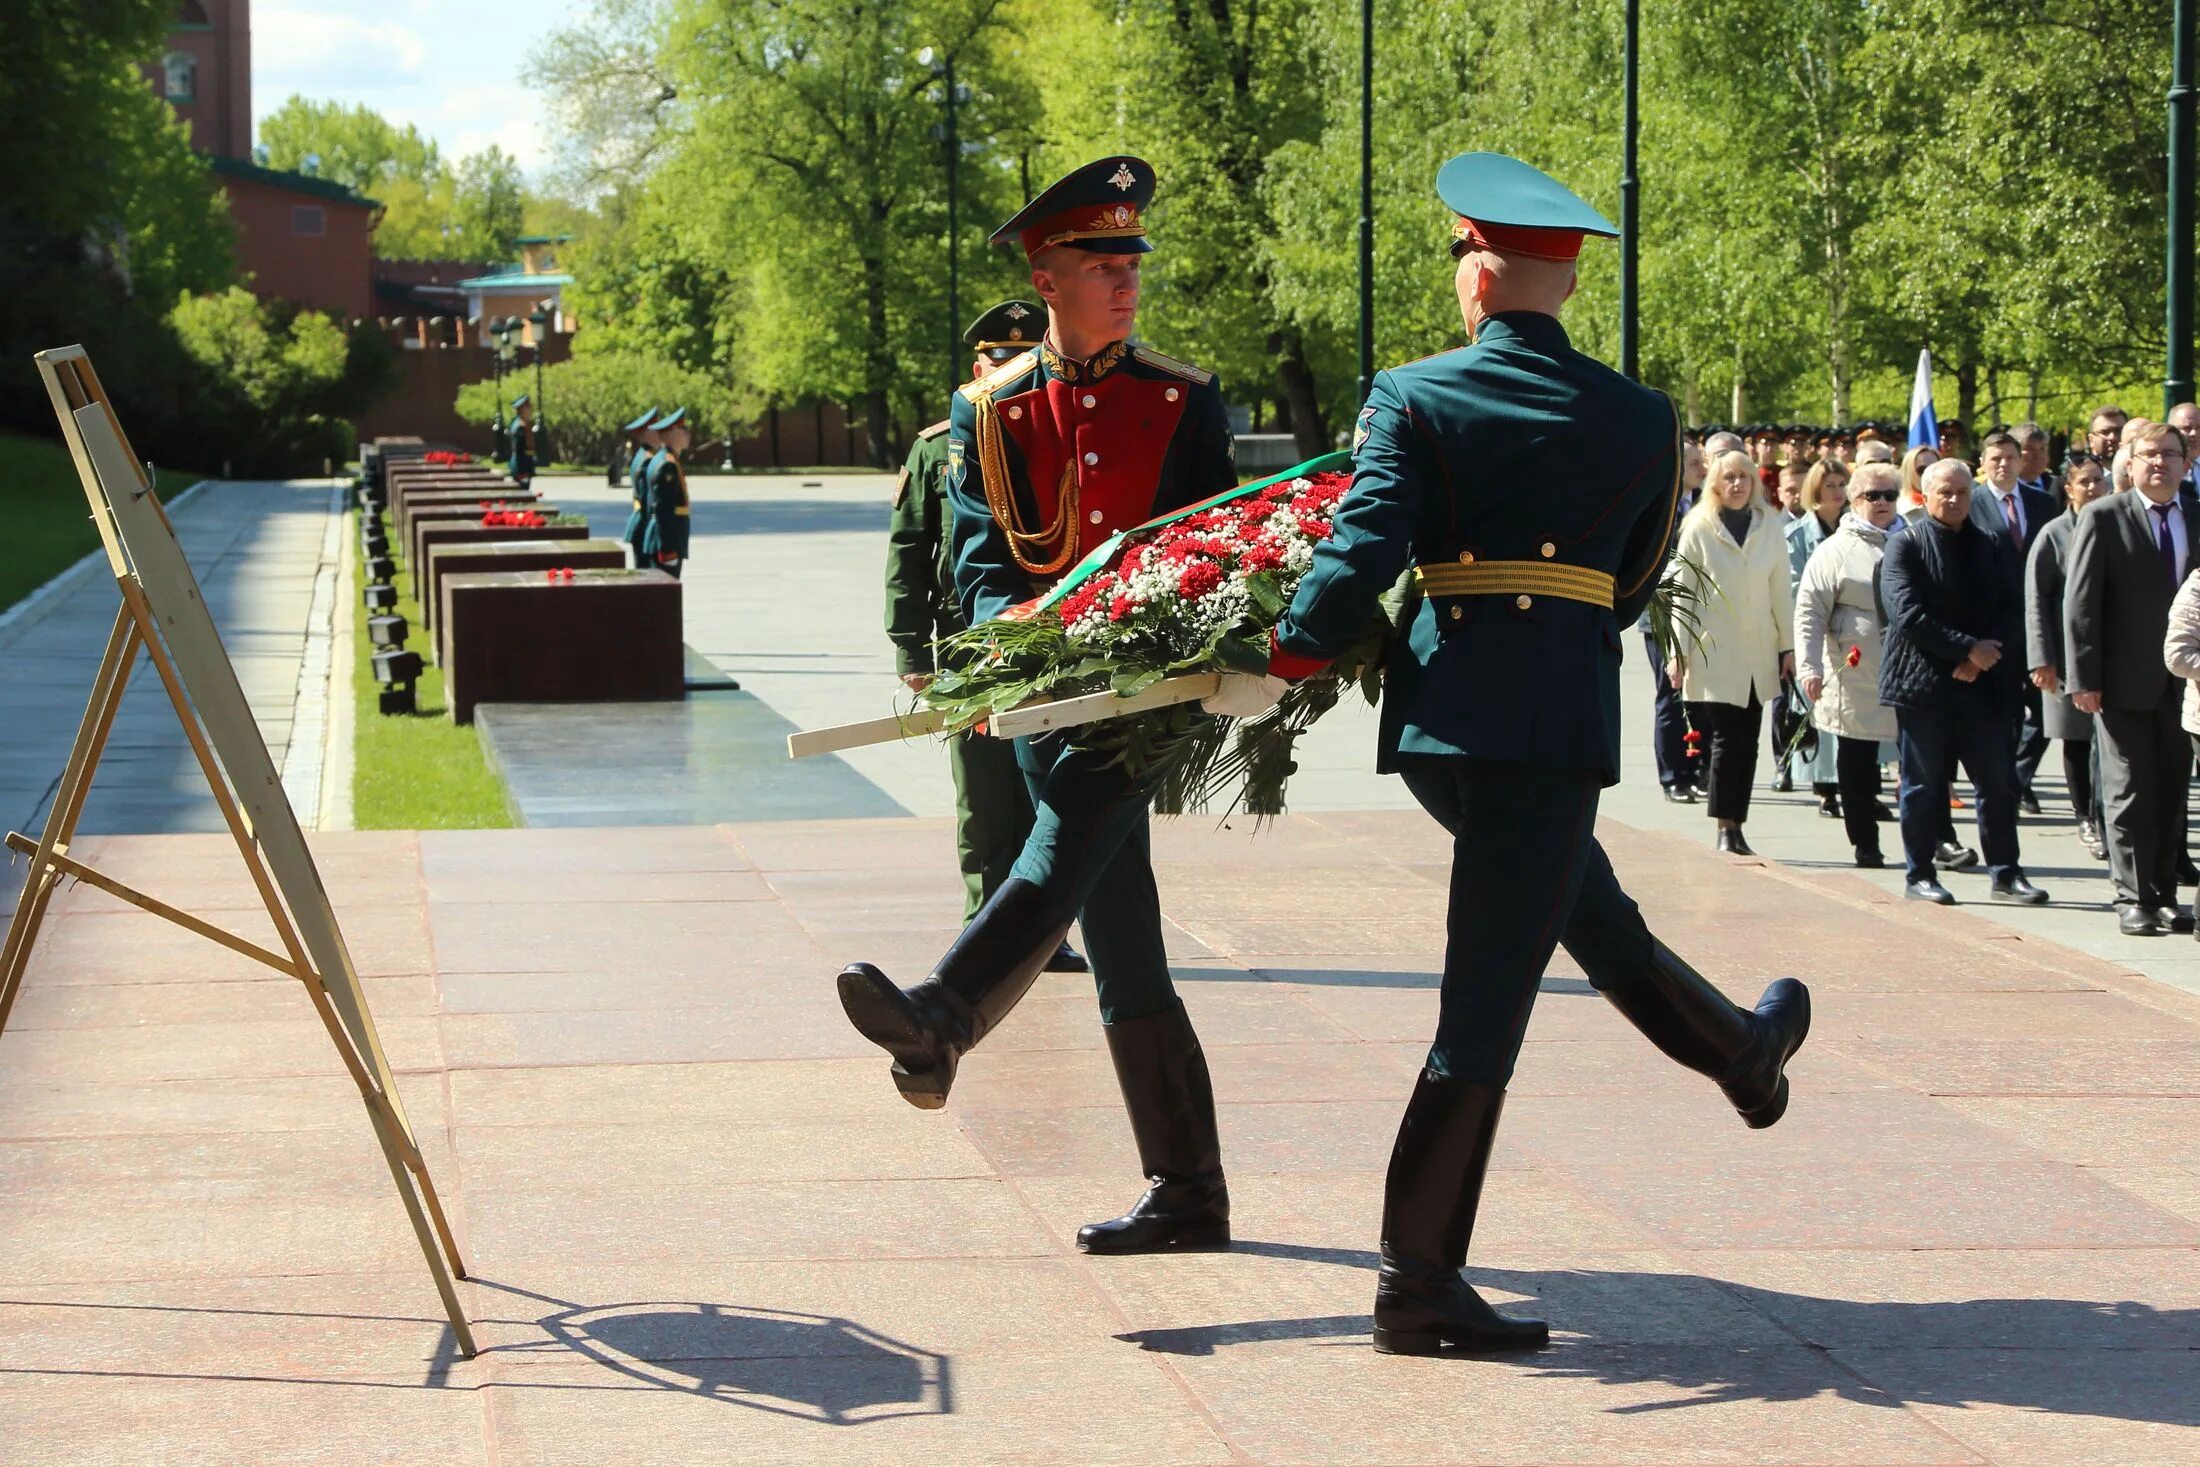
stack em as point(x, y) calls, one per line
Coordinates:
point(646, 441)
point(992, 807)
point(523, 440)
point(1501, 709)
point(665, 536)
point(1049, 454)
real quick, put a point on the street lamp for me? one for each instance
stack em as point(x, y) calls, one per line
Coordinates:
point(500, 330)
point(2177, 376)
point(1367, 197)
point(951, 140)
point(540, 320)
point(1629, 189)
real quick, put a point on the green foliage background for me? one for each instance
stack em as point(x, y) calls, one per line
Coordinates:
point(1828, 185)
point(597, 394)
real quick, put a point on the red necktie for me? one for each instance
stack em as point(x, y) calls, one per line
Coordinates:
point(2009, 513)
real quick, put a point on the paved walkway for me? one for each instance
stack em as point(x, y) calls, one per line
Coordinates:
point(703, 1228)
point(266, 556)
point(785, 593)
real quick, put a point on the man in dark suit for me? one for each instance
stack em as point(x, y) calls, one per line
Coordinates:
point(2032, 470)
point(2128, 555)
point(1951, 605)
point(2024, 512)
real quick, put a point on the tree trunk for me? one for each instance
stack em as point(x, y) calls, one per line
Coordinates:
point(879, 432)
point(1967, 393)
point(1309, 428)
point(2032, 394)
point(1738, 403)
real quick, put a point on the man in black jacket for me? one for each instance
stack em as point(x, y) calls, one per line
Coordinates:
point(2128, 555)
point(1950, 601)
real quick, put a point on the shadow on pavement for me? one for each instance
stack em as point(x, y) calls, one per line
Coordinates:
point(2115, 1359)
point(814, 1367)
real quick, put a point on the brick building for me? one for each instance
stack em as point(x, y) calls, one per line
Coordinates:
point(302, 239)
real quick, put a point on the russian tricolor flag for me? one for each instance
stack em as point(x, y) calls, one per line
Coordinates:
point(1924, 427)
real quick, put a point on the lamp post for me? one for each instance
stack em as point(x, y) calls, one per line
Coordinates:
point(500, 332)
point(950, 137)
point(1630, 188)
point(2177, 374)
point(1367, 197)
point(540, 320)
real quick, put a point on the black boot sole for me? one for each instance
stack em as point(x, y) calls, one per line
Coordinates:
point(1439, 1342)
point(882, 1014)
point(1203, 1238)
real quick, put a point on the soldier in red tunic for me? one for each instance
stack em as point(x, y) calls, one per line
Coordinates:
point(1048, 455)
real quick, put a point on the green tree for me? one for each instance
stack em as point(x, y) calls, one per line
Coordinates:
point(353, 145)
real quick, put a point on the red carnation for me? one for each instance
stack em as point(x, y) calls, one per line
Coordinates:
point(1198, 579)
point(1855, 657)
point(1261, 558)
point(1120, 605)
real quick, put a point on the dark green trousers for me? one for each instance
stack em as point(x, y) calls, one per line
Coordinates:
point(1091, 848)
point(1527, 874)
point(992, 813)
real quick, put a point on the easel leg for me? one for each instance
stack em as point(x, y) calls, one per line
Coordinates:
point(392, 1138)
point(68, 804)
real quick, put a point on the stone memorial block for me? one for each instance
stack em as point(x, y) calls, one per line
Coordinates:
point(521, 637)
point(512, 555)
point(468, 514)
point(472, 532)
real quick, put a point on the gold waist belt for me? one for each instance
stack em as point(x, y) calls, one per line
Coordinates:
point(1515, 578)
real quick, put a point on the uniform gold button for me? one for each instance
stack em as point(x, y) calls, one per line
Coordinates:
point(1171, 394)
point(1457, 612)
point(1092, 458)
point(1015, 412)
point(1524, 602)
point(1550, 548)
point(1090, 399)
point(1466, 557)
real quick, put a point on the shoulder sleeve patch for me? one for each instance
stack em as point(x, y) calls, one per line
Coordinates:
point(935, 430)
point(999, 377)
point(1185, 370)
point(901, 486)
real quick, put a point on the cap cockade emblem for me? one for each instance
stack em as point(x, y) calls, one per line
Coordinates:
point(1123, 178)
point(1016, 311)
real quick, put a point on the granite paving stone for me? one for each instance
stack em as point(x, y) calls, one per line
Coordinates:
point(702, 1227)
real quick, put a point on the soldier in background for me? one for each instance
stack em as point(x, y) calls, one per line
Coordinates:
point(646, 442)
point(523, 441)
point(993, 811)
point(665, 535)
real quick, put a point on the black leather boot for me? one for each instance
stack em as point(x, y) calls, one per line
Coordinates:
point(1688, 1018)
point(1422, 1306)
point(929, 1028)
point(1163, 1073)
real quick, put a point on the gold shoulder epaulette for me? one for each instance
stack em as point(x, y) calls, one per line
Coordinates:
point(934, 431)
point(994, 380)
point(1185, 370)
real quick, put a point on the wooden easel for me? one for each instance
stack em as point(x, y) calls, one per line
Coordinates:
point(164, 617)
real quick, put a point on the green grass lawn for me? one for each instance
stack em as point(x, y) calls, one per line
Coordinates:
point(417, 772)
point(44, 523)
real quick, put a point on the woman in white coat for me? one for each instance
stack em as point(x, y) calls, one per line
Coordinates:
point(1837, 640)
point(1731, 564)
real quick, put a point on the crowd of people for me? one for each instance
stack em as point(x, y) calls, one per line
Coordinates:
point(1935, 608)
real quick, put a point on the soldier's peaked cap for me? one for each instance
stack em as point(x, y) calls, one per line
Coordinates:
point(640, 423)
point(1100, 207)
point(520, 401)
point(1008, 328)
point(673, 418)
point(1515, 208)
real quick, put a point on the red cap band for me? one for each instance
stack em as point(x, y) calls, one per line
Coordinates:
point(1090, 221)
point(1518, 239)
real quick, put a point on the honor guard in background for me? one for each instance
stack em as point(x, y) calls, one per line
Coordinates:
point(523, 440)
point(646, 442)
point(1048, 455)
point(1501, 708)
point(992, 807)
point(665, 535)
